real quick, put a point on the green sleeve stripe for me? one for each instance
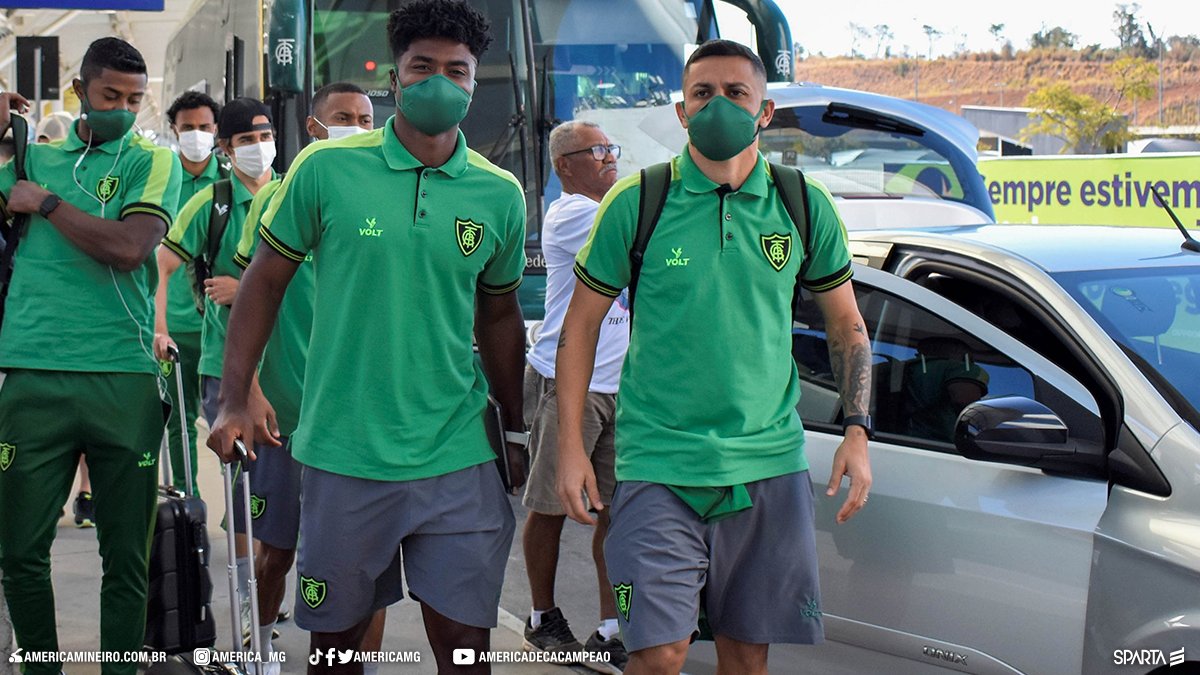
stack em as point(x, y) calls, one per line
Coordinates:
point(241, 260)
point(280, 247)
point(177, 250)
point(830, 282)
point(162, 161)
point(500, 290)
point(480, 162)
point(143, 207)
point(200, 202)
point(594, 283)
point(372, 139)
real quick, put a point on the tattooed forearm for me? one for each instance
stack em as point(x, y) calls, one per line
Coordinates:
point(562, 337)
point(850, 357)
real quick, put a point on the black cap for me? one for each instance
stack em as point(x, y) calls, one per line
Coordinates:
point(237, 117)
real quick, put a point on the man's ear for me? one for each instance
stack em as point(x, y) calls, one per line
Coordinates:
point(77, 85)
point(768, 113)
point(680, 114)
point(311, 126)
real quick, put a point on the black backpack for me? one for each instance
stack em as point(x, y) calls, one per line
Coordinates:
point(201, 266)
point(656, 179)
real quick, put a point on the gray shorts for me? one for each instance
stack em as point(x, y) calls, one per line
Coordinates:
point(274, 496)
point(755, 572)
point(599, 418)
point(451, 533)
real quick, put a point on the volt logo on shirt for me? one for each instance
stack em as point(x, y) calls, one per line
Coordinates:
point(370, 230)
point(678, 260)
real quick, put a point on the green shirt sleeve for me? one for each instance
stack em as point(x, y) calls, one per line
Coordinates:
point(829, 266)
point(154, 180)
point(8, 178)
point(249, 240)
point(603, 262)
point(292, 222)
point(188, 237)
point(504, 270)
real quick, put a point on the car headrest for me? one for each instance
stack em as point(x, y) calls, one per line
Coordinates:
point(1140, 307)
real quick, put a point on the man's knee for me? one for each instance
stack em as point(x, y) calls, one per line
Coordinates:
point(274, 563)
point(665, 659)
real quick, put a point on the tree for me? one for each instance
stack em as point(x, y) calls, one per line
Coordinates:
point(1081, 121)
point(1184, 47)
point(933, 34)
point(857, 32)
point(1129, 31)
point(1053, 38)
point(883, 35)
point(1133, 79)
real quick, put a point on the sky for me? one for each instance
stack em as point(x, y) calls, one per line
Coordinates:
point(825, 26)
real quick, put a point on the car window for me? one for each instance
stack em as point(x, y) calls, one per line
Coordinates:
point(925, 371)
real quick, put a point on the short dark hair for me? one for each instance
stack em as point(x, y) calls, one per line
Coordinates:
point(726, 48)
point(334, 88)
point(451, 19)
point(114, 54)
point(190, 100)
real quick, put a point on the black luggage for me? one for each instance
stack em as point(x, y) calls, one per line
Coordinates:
point(179, 665)
point(179, 613)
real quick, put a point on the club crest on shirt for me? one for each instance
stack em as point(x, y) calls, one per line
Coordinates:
point(8, 453)
point(106, 188)
point(777, 248)
point(469, 235)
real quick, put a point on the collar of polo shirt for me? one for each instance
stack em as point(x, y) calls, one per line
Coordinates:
point(400, 159)
point(73, 143)
point(696, 182)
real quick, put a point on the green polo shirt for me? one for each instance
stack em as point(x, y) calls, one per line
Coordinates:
point(709, 387)
point(281, 373)
point(182, 316)
point(189, 238)
point(393, 390)
point(65, 310)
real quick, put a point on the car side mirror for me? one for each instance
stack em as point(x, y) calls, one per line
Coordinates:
point(1012, 430)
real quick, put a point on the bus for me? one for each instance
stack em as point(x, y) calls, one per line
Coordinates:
point(610, 61)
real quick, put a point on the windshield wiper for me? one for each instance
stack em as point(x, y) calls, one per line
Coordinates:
point(1189, 244)
point(858, 118)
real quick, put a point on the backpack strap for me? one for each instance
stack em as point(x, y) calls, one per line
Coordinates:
point(793, 192)
point(656, 180)
point(219, 218)
point(20, 221)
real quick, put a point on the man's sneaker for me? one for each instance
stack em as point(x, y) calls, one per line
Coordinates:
point(85, 510)
point(613, 648)
point(285, 614)
point(553, 634)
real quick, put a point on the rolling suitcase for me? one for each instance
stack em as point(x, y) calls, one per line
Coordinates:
point(178, 665)
point(178, 612)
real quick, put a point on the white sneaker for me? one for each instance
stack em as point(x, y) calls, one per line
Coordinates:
point(271, 668)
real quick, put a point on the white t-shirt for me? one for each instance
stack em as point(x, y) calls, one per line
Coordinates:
point(565, 230)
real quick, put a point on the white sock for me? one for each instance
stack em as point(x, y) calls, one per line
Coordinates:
point(371, 668)
point(535, 617)
point(264, 638)
point(608, 628)
point(243, 572)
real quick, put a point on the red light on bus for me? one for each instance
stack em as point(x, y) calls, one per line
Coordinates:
point(370, 66)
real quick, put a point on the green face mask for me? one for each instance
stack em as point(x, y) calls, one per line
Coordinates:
point(106, 125)
point(722, 129)
point(433, 105)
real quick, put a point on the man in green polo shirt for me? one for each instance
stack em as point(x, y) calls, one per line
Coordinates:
point(78, 373)
point(417, 242)
point(193, 117)
point(247, 137)
point(713, 509)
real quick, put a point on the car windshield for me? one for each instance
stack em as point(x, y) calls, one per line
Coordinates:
point(1154, 314)
point(856, 153)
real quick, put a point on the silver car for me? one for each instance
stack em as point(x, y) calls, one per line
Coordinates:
point(1036, 460)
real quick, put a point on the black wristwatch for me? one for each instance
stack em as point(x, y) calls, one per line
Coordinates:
point(863, 421)
point(50, 203)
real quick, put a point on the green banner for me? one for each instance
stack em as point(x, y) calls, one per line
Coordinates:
point(1094, 189)
point(287, 46)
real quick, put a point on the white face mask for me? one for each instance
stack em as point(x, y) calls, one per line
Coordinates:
point(195, 145)
point(254, 160)
point(336, 132)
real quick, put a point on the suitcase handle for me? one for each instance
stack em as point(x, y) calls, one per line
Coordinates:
point(242, 462)
point(164, 453)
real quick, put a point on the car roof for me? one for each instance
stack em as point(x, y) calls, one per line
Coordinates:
point(957, 130)
point(1054, 248)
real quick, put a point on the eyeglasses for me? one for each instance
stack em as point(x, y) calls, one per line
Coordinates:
point(599, 152)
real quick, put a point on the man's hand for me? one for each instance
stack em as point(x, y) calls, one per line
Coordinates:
point(162, 344)
point(26, 196)
point(852, 461)
point(221, 290)
point(262, 415)
point(518, 460)
point(575, 478)
point(10, 102)
point(232, 423)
